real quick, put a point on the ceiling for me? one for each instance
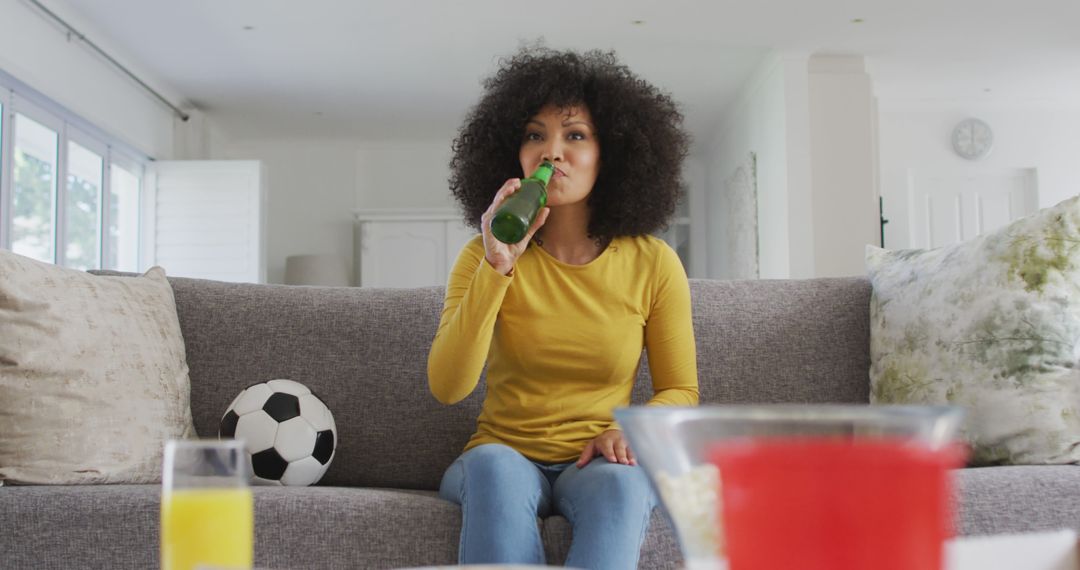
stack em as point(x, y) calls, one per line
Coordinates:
point(409, 69)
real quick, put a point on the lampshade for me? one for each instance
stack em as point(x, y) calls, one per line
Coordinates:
point(312, 269)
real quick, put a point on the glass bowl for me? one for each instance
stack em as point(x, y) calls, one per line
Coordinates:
point(672, 445)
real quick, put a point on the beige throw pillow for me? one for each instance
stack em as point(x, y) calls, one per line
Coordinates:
point(93, 376)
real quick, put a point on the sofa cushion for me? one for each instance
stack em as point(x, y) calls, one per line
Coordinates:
point(364, 351)
point(1018, 498)
point(993, 325)
point(779, 341)
point(93, 378)
point(117, 526)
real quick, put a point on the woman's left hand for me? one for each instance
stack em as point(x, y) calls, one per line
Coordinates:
point(612, 445)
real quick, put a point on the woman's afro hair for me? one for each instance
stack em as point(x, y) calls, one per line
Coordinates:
point(639, 129)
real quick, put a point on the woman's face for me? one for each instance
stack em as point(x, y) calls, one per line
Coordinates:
point(566, 137)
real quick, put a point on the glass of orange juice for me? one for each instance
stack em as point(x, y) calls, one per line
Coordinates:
point(207, 511)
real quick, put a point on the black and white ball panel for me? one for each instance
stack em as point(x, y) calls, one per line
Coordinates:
point(282, 407)
point(289, 432)
point(316, 412)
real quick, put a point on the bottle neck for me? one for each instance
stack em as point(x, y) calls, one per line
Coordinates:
point(543, 173)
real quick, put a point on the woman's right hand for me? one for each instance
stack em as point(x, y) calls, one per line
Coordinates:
point(500, 255)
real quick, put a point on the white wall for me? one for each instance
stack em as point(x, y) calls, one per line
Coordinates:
point(38, 53)
point(801, 224)
point(757, 122)
point(916, 135)
point(310, 189)
point(313, 186)
point(811, 122)
point(198, 138)
point(694, 172)
point(403, 175)
point(842, 148)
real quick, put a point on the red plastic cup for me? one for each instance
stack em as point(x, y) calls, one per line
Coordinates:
point(824, 503)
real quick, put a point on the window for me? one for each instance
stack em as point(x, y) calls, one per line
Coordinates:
point(69, 193)
point(82, 214)
point(123, 236)
point(33, 200)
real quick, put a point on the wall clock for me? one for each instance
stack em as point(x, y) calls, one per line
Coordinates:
point(972, 139)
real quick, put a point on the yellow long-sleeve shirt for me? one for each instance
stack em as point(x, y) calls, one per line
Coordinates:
point(562, 342)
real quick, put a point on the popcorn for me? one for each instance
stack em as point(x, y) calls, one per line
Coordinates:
point(693, 501)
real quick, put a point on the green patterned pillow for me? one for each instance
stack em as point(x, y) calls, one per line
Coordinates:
point(993, 325)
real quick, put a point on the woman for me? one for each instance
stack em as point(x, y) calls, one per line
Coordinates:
point(560, 318)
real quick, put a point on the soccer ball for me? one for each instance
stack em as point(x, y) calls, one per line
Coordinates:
point(289, 432)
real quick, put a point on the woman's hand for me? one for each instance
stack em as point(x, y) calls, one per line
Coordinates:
point(611, 444)
point(500, 255)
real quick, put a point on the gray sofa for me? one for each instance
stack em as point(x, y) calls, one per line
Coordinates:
point(364, 351)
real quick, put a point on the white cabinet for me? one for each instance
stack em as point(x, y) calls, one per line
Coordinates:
point(407, 247)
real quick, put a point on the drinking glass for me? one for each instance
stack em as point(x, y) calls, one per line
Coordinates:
point(207, 510)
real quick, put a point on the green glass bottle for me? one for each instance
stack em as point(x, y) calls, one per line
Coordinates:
point(517, 213)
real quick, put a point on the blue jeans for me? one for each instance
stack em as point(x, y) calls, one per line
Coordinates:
point(502, 493)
